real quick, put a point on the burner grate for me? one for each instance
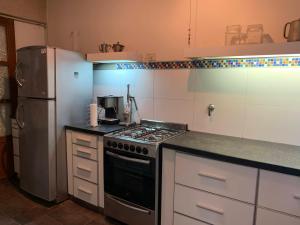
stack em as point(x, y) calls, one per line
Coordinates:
point(147, 134)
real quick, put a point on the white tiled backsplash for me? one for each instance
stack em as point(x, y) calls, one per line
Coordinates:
point(256, 103)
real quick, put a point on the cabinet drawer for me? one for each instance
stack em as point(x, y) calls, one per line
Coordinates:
point(85, 152)
point(16, 146)
point(280, 192)
point(211, 208)
point(183, 220)
point(85, 191)
point(85, 169)
point(267, 217)
point(226, 179)
point(84, 139)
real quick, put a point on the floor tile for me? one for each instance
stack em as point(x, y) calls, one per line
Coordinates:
point(18, 209)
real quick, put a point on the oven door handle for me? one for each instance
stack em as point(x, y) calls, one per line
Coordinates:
point(147, 162)
point(128, 206)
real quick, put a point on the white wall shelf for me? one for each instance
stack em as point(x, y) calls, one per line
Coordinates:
point(242, 51)
point(114, 57)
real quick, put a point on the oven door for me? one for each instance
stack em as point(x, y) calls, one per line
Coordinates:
point(130, 177)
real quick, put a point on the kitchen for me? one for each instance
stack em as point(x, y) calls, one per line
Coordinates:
point(239, 161)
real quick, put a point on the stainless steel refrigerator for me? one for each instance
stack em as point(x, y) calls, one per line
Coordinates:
point(54, 89)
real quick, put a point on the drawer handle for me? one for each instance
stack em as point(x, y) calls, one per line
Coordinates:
point(83, 140)
point(297, 197)
point(212, 176)
point(84, 151)
point(218, 211)
point(84, 190)
point(85, 169)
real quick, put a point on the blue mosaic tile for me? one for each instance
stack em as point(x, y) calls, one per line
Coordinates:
point(214, 63)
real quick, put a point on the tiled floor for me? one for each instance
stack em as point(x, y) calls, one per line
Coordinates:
point(17, 209)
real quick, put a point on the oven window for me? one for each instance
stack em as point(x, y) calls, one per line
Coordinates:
point(131, 181)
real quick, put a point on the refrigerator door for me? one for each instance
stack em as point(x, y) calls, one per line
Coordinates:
point(36, 118)
point(35, 72)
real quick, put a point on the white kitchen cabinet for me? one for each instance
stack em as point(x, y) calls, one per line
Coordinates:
point(279, 192)
point(85, 167)
point(226, 179)
point(198, 191)
point(211, 208)
point(168, 186)
point(268, 217)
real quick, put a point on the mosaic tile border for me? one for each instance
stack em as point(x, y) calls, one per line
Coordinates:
point(214, 63)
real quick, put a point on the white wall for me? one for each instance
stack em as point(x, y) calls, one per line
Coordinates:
point(160, 26)
point(256, 103)
point(143, 25)
point(29, 34)
point(213, 16)
point(29, 9)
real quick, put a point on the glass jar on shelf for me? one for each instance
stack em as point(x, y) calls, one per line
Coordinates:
point(233, 34)
point(255, 34)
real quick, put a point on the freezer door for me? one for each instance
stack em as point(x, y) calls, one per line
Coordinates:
point(36, 117)
point(35, 72)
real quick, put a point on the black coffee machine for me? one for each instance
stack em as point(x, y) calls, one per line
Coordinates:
point(113, 107)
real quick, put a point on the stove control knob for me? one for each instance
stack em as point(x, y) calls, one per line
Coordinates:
point(126, 147)
point(138, 149)
point(132, 148)
point(145, 151)
point(108, 143)
point(120, 146)
point(114, 144)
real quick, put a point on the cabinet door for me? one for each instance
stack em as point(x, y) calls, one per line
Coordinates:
point(268, 217)
point(168, 186)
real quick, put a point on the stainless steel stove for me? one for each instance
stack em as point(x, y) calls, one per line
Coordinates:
point(131, 168)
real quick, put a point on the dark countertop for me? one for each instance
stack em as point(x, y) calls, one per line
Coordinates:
point(100, 130)
point(260, 154)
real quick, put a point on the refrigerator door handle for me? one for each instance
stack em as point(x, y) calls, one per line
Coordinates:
point(17, 72)
point(20, 124)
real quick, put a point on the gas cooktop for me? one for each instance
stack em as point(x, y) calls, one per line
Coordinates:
point(146, 134)
point(144, 138)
